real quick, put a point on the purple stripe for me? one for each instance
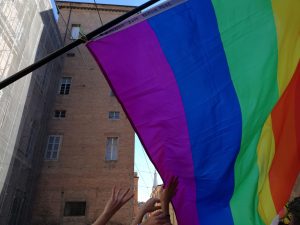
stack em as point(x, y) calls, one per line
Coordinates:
point(144, 93)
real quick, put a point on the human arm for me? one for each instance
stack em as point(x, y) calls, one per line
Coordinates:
point(157, 218)
point(149, 206)
point(117, 199)
point(166, 196)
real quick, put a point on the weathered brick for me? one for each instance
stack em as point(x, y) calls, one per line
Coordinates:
point(81, 172)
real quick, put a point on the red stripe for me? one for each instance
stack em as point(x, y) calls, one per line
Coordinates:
point(286, 127)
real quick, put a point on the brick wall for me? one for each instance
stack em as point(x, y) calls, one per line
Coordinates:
point(81, 172)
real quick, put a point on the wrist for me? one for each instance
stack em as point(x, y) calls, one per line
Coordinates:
point(165, 206)
point(139, 217)
point(165, 211)
point(106, 214)
point(144, 211)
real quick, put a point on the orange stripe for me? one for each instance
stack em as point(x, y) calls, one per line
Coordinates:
point(286, 127)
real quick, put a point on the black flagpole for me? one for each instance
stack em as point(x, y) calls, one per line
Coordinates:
point(68, 47)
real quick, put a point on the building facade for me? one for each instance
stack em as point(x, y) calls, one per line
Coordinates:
point(28, 31)
point(90, 145)
point(135, 197)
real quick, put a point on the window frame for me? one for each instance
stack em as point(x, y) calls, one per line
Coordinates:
point(72, 215)
point(60, 113)
point(67, 88)
point(109, 153)
point(112, 115)
point(51, 158)
point(78, 33)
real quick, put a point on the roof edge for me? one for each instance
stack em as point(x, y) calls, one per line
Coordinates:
point(98, 4)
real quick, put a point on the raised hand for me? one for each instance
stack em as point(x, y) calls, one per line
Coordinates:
point(157, 218)
point(148, 207)
point(167, 193)
point(117, 199)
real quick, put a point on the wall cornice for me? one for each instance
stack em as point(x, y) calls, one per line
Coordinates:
point(91, 6)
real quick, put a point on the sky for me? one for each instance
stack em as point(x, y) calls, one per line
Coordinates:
point(142, 164)
point(145, 170)
point(116, 2)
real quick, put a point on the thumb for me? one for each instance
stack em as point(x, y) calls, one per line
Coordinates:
point(157, 207)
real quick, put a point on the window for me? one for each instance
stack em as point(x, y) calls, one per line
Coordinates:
point(53, 146)
point(111, 149)
point(75, 31)
point(75, 209)
point(65, 85)
point(59, 113)
point(114, 115)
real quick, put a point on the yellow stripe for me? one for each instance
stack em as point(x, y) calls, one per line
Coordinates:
point(287, 17)
point(287, 21)
point(265, 153)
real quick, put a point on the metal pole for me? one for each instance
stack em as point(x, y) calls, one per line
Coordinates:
point(72, 45)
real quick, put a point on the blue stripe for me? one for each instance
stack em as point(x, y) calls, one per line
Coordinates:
point(194, 50)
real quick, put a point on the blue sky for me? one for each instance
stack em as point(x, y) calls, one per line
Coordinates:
point(114, 2)
point(117, 2)
point(145, 169)
point(142, 164)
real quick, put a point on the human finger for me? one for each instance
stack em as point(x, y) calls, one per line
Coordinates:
point(151, 202)
point(157, 207)
point(124, 193)
point(126, 199)
point(161, 219)
point(113, 192)
point(118, 193)
point(154, 200)
point(157, 213)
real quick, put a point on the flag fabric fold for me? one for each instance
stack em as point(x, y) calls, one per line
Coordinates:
point(212, 90)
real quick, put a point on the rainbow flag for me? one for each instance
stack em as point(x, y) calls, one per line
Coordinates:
point(212, 89)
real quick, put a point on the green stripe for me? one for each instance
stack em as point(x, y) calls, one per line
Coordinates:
point(249, 38)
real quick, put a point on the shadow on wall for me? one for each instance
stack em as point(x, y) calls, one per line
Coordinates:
point(17, 195)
